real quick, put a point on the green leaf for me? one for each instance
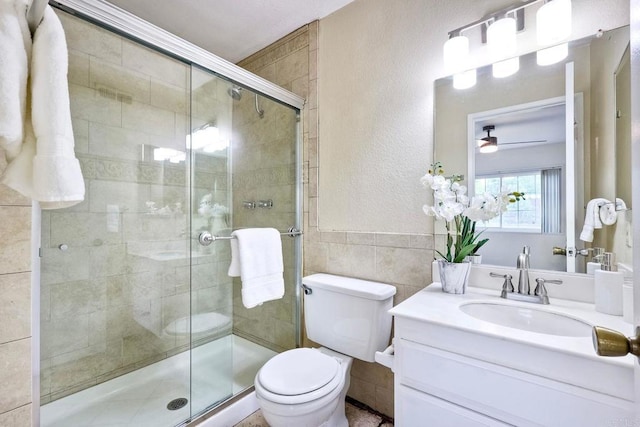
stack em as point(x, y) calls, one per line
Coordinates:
point(462, 254)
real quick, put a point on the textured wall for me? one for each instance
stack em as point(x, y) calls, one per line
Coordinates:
point(378, 61)
point(400, 259)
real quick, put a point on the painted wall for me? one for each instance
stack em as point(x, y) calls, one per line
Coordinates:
point(377, 64)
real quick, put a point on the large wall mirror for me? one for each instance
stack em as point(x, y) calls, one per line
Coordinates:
point(563, 138)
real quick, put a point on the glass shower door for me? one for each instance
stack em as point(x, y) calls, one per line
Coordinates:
point(115, 269)
point(211, 212)
point(244, 174)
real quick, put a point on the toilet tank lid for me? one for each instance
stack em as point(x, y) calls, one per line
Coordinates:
point(349, 285)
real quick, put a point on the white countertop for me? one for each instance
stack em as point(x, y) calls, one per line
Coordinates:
point(433, 306)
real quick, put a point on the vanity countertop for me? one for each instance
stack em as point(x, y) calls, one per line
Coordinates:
point(433, 306)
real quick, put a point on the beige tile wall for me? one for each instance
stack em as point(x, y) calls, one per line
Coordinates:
point(403, 260)
point(15, 307)
point(264, 169)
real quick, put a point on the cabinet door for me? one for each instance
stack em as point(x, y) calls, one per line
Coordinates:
point(414, 408)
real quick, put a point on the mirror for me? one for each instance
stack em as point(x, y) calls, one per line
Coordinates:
point(528, 114)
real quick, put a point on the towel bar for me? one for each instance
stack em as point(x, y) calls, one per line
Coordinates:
point(205, 238)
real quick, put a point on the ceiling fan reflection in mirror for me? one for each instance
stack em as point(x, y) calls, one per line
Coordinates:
point(489, 144)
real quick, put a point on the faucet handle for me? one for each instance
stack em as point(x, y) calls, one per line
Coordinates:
point(541, 281)
point(507, 286)
point(541, 290)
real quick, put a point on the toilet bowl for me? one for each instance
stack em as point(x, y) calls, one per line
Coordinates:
point(307, 387)
point(304, 388)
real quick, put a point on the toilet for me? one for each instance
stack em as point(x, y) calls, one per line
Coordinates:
point(307, 387)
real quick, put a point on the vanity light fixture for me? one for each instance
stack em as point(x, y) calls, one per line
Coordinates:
point(553, 26)
point(498, 30)
point(488, 144)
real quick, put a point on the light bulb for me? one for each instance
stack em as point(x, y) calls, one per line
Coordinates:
point(506, 68)
point(465, 79)
point(455, 54)
point(553, 22)
point(552, 55)
point(501, 38)
point(489, 147)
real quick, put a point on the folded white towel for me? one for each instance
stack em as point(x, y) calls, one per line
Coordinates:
point(50, 173)
point(256, 256)
point(15, 45)
point(592, 219)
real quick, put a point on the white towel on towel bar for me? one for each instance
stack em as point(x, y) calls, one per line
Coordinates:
point(256, 257)
point(592, 218)
point(46, 169)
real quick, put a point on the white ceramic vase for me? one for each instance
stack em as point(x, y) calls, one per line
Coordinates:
point(454, 276)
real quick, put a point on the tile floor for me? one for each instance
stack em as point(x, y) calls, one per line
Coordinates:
point(357, 418)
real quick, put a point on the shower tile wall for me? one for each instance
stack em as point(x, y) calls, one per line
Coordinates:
point(15, 307)
point(106, 300)
point(263, 169)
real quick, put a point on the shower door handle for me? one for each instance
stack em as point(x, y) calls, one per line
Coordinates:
point(205, 238)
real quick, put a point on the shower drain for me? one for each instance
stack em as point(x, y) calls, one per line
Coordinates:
point(176, 404)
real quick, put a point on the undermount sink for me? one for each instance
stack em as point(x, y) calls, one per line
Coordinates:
point(527, 319)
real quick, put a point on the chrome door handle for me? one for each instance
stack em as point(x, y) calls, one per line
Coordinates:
point(607, 342)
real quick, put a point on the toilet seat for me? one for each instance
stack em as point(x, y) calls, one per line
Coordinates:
point(299, 376)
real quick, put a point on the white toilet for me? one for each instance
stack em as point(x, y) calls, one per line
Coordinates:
point(307, 387)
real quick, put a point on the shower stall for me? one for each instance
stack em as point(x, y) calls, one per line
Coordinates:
point(139, 322)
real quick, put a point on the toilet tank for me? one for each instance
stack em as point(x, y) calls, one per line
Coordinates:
point(348, 315)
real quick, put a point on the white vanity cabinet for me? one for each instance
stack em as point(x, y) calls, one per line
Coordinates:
point(472, 373)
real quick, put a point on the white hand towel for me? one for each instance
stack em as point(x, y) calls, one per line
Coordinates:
point(608, 214)
point(256, 256)
point(592, 219)
point(52, 176)
point(620, 205)
point(15, 51)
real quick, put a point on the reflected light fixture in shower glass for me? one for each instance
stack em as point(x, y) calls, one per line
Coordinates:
point(207, 139)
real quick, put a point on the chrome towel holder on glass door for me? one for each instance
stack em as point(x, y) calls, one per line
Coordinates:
point(206, 238)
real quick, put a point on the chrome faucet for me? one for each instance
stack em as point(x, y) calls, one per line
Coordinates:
point(522, 265)
point(524, 289)
point(539, 296)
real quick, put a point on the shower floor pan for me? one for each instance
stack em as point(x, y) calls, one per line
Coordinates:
point(140, 398)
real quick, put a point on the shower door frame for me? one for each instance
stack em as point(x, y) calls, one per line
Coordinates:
point(109, 16)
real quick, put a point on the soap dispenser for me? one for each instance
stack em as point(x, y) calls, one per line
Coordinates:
point(595, 262)
point(608, 286)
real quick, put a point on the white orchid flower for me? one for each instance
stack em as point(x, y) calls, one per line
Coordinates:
point(427, 180)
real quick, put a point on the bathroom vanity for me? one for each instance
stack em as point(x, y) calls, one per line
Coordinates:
point(457, 363)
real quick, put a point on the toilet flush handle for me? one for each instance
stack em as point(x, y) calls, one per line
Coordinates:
point(307, 290)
